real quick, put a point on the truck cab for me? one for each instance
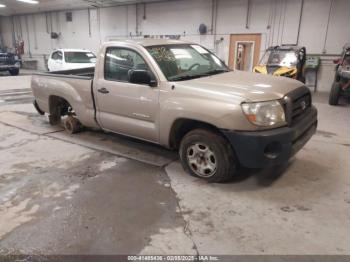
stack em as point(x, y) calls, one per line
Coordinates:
point(69, 59)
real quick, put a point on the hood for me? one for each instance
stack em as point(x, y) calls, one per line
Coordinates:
point(6, 54)
point(272, 69)
point(276, 70)
point(247, 85)
point(281, 70)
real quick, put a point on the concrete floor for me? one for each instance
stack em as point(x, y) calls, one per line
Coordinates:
point(97, 193)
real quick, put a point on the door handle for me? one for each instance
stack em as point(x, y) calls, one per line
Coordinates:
point(103, 90)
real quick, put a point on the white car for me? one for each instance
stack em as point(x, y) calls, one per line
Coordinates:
point(68, 59)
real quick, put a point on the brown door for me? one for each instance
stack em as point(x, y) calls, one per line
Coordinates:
point(244, 51)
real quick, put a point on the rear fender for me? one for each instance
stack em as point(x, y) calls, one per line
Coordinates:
point(46, 87)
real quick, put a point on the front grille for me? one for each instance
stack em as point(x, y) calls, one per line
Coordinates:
point(3, 60)
point(300, 105)
point(6, 59)
point(297, 104)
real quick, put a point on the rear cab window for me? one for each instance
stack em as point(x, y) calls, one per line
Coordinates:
point(79, 57)
point(57, 55)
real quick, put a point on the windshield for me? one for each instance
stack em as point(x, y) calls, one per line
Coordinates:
point(287, 58)
point(183, 62)
point(80, 57)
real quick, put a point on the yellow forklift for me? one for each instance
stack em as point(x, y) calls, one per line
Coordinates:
point(285, 60)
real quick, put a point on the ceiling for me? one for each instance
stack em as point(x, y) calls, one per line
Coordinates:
point(16, 7)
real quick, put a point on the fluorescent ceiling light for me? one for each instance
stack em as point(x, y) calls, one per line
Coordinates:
point(2, 6)
point(29, 1)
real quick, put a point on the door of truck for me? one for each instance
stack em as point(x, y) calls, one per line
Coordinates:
point(56, 61)
point(124, 107)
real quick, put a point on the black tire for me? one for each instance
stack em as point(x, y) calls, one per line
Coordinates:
point(54, 120)
point(225, 160)
point(14, 72)
point(38, 109)
point(334, 94)
point(72, 125)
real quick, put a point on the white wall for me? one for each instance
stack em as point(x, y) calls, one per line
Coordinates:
point(276, 20)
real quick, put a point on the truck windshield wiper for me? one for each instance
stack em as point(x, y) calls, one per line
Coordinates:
point(188, 77)
point(217, 71)
point(184, 77)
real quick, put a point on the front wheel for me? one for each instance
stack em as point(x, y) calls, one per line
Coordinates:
point(207, 155)
point(334, 94)
point(14, 72)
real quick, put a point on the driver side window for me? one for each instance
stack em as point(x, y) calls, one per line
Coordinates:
point(346, 60)
point(119, 62)
point(57, 56)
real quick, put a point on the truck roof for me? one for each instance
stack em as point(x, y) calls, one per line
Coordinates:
point(71, 50)
point(286, 47)
point(150, 42)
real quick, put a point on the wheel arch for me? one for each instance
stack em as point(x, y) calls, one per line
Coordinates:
point(56, 100)
point(182, 126)
point(58, 107)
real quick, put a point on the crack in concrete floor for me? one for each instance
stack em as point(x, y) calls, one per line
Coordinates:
point(78, 185)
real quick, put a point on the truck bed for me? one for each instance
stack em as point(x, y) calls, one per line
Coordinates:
point(75, 86)
point(86, 73)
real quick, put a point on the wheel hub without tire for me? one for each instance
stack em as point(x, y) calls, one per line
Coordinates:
point(202, 160)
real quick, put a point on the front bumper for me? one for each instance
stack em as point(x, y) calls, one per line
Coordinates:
point(272, 147)
point(9, 67)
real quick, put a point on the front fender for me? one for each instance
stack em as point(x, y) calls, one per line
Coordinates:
point(223, 115)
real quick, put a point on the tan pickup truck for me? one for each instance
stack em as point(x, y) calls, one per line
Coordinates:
point(181, 96)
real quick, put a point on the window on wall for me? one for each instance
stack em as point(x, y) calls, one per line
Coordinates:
point(119, 62)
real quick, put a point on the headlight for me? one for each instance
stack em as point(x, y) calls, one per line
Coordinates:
point(270, 113)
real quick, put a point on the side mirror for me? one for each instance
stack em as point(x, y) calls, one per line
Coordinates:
point(336, 61)
point(140, 76)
